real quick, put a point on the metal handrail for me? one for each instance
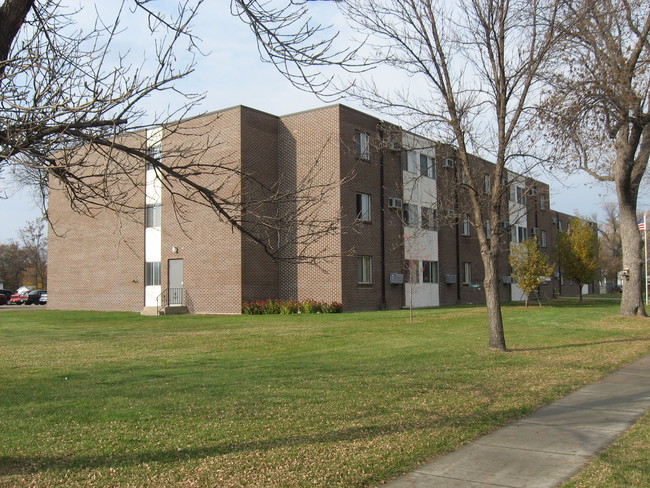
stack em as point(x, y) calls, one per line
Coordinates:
point(171, 297)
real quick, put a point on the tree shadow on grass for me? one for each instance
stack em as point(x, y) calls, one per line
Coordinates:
point(26, 465)
point(579, 344)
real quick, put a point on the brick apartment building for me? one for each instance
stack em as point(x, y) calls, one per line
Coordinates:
point(402, 239)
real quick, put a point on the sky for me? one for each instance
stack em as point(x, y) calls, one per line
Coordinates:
point(231, 73)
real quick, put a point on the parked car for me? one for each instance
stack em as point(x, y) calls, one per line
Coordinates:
point(34, 297)
point(5, 295)
point(18, 299)
point(43, 299)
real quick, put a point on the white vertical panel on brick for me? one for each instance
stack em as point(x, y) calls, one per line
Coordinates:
point(152, 236)
point(518, 215)
point(420, 244)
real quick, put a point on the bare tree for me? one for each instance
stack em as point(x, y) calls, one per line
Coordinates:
point(599, 112)
point(73, 115)
point(12, 265)
point(476, 63)
point(34, 247)
point(611, 253)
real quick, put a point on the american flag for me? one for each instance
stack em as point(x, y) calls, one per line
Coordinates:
point(642, 226)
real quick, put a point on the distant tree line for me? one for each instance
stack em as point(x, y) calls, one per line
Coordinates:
point(23, 262)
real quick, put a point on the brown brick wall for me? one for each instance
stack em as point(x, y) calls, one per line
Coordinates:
point(210, 248)
point(96, 263)
point(309, 153)
point(361, 238)
point(259, 142)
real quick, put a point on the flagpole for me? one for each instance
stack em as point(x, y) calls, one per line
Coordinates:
point(645, 243)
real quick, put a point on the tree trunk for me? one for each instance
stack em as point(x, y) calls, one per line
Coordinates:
point(493, 303)
point(628, 173)
point(580, 291)
point(632, 299)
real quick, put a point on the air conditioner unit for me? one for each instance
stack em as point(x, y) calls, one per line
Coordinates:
point(395, 203)
point(534, 231)
point(450, 279)
point(507, 280)
point(533, 192)
point(396, 279)
point(394, 146)
point(451, 211)
point(448, 163)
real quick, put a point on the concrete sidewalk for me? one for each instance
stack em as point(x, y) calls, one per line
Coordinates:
point(548, 447)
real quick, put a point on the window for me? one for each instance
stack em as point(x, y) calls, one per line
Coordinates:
point(409, 163)
point(488, 229)
point(364, 269)
point(152, 215)
point(152, 274)
point(542, 201)
point(429, 218)
point(542, 238)
point(467, 273)
point(154, 152)
point(363, 207)
point(521, 195)
point(522, 234)
point(487, 184)
point(362, 145)
point(518, 233)
point(465, 226)
point(429, 271)
point(427, 167)
point(411, 271)
point(410, 214)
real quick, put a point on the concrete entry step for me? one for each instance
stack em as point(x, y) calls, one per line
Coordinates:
point(174, 310)
point(151, 311)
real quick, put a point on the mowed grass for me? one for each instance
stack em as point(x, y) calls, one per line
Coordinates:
point(343, 400)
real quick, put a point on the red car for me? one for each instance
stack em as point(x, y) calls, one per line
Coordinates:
point(18, 299)
point(5, 295)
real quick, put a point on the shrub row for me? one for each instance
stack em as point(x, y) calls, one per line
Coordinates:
point(271, 306)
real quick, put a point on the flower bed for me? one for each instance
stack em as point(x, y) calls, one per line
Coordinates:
point(271, 306)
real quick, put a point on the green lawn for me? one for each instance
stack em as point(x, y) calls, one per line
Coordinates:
point(342, 400)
